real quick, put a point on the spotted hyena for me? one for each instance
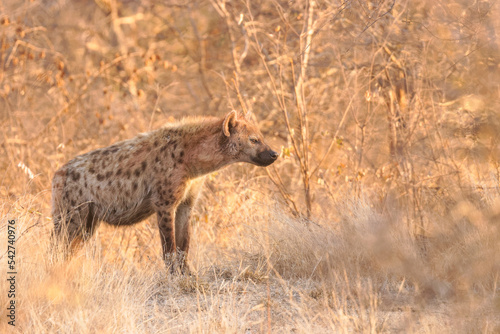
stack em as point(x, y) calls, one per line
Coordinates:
point(157, 172)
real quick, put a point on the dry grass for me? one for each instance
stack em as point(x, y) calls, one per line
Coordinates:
point(382, 215)
point(364, 275)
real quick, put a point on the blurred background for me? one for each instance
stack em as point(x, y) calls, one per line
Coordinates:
point(386, 115)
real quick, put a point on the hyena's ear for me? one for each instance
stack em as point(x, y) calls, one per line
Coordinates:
point(229, 122)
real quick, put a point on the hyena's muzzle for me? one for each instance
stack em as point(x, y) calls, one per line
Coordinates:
point(265, 157)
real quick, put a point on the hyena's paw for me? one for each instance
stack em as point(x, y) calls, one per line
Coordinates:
point(177, 264)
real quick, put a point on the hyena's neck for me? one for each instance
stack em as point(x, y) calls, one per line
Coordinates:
point(206, 149)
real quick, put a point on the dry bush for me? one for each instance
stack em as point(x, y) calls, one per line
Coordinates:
point(380, 216)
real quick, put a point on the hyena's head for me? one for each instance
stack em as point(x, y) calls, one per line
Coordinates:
point(245, 141)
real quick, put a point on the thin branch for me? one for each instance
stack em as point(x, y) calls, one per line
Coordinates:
point(83, 92)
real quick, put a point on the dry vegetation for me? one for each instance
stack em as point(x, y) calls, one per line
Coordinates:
point(382, 214)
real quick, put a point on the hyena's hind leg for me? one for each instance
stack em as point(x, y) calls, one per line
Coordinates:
point(61, 236)
point(73, 228)
point(182, 217)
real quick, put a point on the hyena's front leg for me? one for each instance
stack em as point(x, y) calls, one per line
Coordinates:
point(182, 228)
point(182, 217)
point(165, 204)
point(182, 232)
point(166, 219)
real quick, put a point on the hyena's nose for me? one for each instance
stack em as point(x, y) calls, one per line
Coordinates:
point(265, 158)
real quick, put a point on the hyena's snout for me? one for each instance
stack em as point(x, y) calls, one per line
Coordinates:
point(266, 157)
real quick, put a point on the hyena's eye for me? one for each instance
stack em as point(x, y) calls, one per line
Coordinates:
point(254, 140)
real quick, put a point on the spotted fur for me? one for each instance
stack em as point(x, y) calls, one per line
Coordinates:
point(158, 172)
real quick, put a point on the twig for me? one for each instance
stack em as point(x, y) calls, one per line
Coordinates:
point(83, 92)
